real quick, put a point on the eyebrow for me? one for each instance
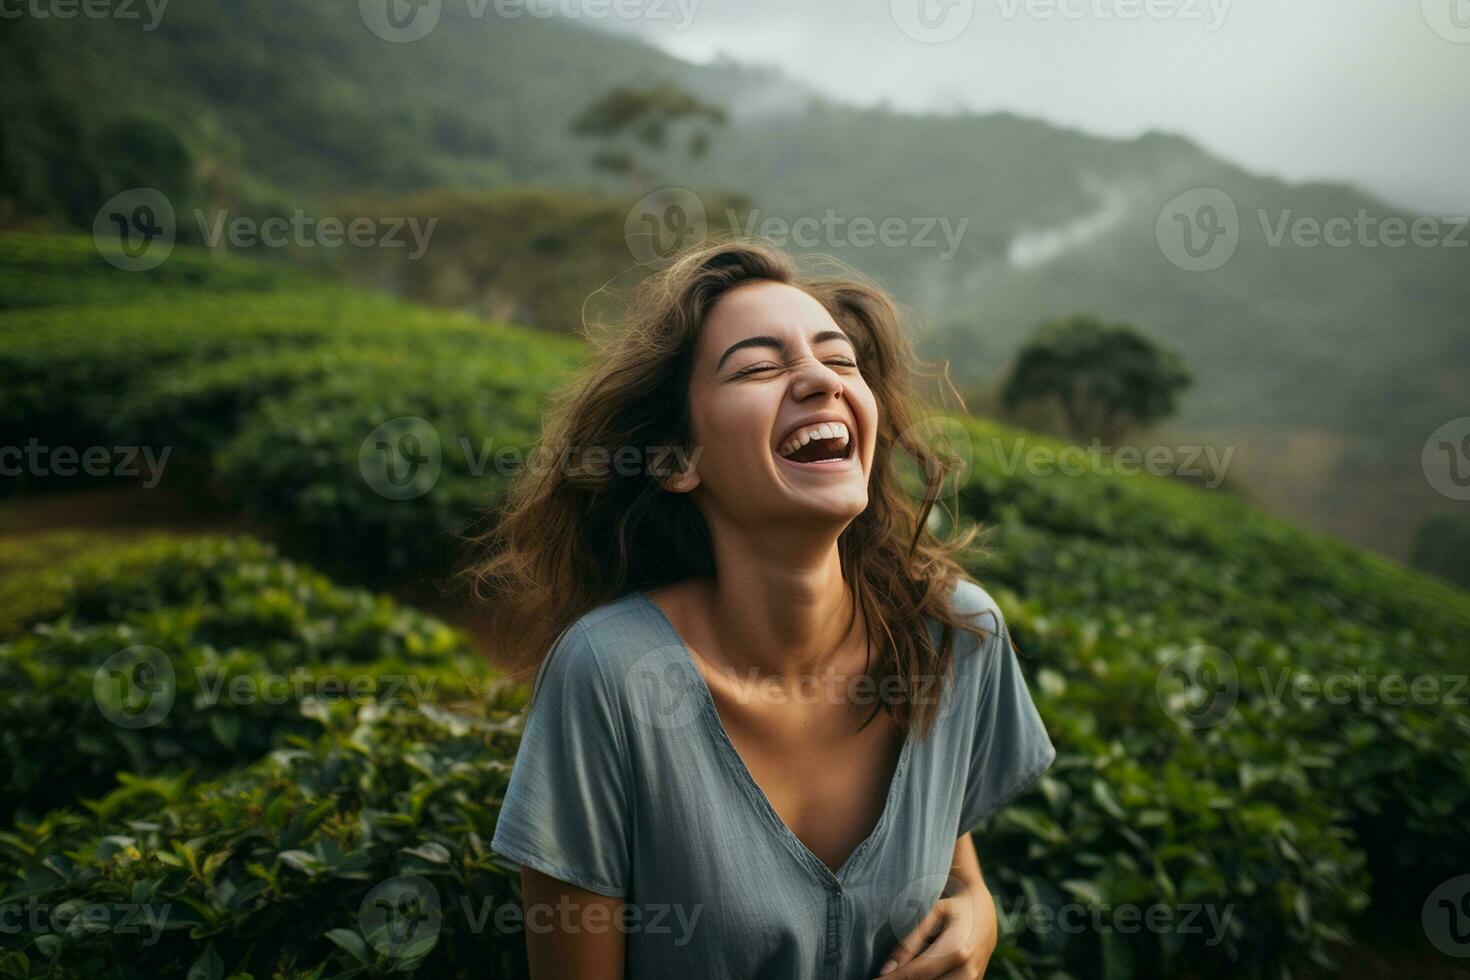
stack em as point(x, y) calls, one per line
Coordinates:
point(776, 343)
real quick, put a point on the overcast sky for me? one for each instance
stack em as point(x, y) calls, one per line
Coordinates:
point(1375, 92)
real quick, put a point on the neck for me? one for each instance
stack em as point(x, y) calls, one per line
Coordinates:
point(780, 606)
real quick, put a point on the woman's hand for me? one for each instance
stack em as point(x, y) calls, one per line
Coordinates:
point(953, 942)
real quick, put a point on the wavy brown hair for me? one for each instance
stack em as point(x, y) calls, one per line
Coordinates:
point(569, 537)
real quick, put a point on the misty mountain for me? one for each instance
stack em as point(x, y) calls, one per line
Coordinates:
point(997, 221)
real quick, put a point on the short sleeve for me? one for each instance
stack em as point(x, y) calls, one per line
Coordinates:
point(1010, 748)
point(565, 811)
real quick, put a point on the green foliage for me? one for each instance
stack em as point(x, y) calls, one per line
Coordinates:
point(1127, 596)
point(272, 403)
point(272, 870)
point(66, 270)
point(1107, 377)
point(644, 116)
point(237, 645)
point(527, 256)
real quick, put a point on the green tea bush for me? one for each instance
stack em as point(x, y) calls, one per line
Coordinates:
point(281, 869)
point(1164, 630)
point(1142, 599)
point(384, 469)
point(231, 641)
point(69, 372)
point(67, 270)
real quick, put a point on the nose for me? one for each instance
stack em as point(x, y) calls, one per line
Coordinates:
point(813, 378)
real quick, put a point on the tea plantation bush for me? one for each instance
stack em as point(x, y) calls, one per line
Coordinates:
point(276, 869)
point(1177, 642)
point(1184, 649)
point(233, 641)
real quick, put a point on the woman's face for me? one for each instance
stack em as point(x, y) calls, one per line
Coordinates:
point(784, 424)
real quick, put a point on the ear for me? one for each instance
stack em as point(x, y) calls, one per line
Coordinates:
point(676, 470)
point(681, 481)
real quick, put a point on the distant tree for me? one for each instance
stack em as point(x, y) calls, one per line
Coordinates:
point(1106, 378)
point(1442, 547)
point(638, 121)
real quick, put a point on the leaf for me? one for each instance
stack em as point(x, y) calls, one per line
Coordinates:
point(432, 851)
point(353, 943)
point(208, 966)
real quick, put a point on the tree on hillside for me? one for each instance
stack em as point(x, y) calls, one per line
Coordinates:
point(1106, 378)
point(633, 122)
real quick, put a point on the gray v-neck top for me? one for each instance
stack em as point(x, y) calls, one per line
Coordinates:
point(627, 784)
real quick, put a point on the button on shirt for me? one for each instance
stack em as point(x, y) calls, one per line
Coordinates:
point(627, 784)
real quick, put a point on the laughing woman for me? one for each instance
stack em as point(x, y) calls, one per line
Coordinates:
point(767, 706)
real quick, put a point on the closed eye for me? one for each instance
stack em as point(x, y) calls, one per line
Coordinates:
point(754, 368)
point(767, 366)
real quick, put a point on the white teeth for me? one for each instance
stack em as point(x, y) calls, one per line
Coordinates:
point(823, 430)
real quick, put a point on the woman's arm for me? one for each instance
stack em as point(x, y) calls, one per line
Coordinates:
point(958, 935)
point(571, 932)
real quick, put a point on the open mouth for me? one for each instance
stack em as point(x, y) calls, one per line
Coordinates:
point(824, 442)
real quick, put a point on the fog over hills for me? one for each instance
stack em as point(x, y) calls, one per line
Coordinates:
point(1326, 339)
